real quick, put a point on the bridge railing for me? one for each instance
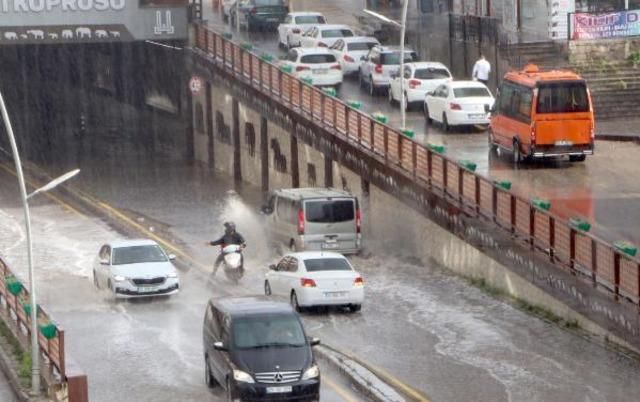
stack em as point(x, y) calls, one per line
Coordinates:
point(567, 245)
point(15, 309)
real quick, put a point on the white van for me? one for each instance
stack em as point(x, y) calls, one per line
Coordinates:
point(314, 219)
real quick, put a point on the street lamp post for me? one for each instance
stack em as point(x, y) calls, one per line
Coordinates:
point(402, 25)
point(35, 352)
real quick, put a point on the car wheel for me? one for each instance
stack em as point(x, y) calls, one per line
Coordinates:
point(267, 288)
point(288, 45)
point(425, 109)
point(492, 145)
point(229, 397)
point(516, 154)
point(372, 88)
point(355, 308)
point(391, 100)
point(294, 302)
point(577, 158)
point(445, 123)
point(96, 283)
point(208, 377)
point(337, 87)
point(360, 79)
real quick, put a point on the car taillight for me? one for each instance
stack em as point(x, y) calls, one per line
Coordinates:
point(358, 281)
point(533, 133)
point(295, 30)
point(414, 83)
point(348, 58)
point(455, 106)
point(378, 68)
point(336, 67)
point(322, 44)
point(302, 68)
point(300, 222)
point(307, 283)
point(358, 221)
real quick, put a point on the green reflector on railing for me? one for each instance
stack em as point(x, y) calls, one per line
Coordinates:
point(246, 46)
point(580, 224)
point(268, 58)
point(227, 35)
point(48, 330)
point(27, 309)
point(503, 184)
point(437, 148)
point(626, 247)
point(408, 133)
point(13, 285)
point(470, 166)
point(307, 80)
point(354, 104)
point(379, 117)
point(330, 91)
point(541, 204)
point(286, 68)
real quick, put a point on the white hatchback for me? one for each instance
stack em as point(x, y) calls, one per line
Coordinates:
point(318, 64)
point(419, 78)
point(350, 51)
point(325, 35)
point(135, 268)
point(313, 278)
point(295, 24)
point(459, 103)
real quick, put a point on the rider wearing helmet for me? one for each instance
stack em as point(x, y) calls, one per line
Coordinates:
point(230, 237)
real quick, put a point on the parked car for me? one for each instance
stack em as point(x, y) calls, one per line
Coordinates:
point(378, 65)
point(314, 219)
point(262, 14)
point(542, 114)
point(419, 78)
point(349, 51)
point(325, 35)
point(313, 278)
point(295, 24)
point(135, 268)
point(257, 350)
point(459, 103)
point(317, 63)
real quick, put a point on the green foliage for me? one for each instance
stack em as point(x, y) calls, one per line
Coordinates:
point(634, 58)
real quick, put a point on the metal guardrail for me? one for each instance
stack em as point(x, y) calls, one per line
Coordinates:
point(564, 244)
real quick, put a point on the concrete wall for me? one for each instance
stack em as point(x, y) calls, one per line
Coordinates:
point(602, 50)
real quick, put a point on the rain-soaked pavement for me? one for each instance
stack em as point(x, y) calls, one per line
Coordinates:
point(6, 393)
point(604, 189)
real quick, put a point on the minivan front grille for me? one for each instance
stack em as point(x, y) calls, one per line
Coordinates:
point(278, 377)
point(148, 281)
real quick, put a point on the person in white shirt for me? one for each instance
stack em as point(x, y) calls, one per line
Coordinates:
point(481, 70)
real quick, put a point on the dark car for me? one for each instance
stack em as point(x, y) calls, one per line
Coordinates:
point(264, 14)
point(257, 350)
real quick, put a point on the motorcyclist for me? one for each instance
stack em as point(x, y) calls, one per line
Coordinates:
point(230, 237)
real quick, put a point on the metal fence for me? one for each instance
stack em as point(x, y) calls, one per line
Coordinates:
point(564, 244)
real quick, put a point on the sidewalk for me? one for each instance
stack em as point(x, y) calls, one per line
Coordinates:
point(618, 129)
point(6, 393)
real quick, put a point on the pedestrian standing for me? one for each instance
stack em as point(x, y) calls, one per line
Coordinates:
point(481, 70)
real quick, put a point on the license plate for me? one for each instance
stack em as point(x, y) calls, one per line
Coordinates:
point(477, 116)
point(564, 143)
point(278, 390)
point(320, 71)
point(330, 245)
point(334, 294)
point(147, 289)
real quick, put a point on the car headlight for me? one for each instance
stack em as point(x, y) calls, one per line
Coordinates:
point(241, 376)
point(172, 275)
point(312, 372)
point(119, 278)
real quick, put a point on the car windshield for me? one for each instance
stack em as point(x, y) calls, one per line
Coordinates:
point(310, 19)
point(471, 92)
point(394, 58)
point(270, 330)
point(329, 211)
point(138, 254)
point(326, 264)
point(317, 58)
point(360, 46)
point(563, 97)
point(431, 73)
point(336, 33)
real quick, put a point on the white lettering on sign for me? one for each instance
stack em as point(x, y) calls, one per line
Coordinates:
point(37, 6)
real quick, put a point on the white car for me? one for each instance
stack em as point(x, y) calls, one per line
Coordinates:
point(313, 278)
point(295, 24)
point(419, 78)
point(379, 64)
point(350, 51)
point(135, 268)
point(317, 63)
point(325, 35)
point(459, 103)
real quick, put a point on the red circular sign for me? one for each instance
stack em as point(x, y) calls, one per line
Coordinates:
point(195, 85)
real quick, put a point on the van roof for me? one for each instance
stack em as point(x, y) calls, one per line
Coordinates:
point(531, 75)
point(246, 305)
point(312, 192)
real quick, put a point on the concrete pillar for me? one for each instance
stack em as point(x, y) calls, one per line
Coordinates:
point(209, 122)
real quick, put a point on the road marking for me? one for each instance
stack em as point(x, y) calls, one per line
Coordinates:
point(339, 390)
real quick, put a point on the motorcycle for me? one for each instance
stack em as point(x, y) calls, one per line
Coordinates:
point(233, 262)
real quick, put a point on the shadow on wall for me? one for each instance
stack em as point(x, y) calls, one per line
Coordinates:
point(250, 138)
point(279, 159)
point(224, 130)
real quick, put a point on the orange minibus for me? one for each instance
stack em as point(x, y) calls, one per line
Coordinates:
point(543, 114)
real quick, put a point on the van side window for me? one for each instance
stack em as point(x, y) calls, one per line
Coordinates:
point(515, 101)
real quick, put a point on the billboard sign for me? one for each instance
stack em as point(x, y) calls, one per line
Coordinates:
point(72, 21)
point(605, 25)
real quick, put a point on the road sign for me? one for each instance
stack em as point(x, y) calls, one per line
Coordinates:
point(195, 85)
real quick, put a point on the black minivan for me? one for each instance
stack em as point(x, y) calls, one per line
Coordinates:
point(257, 350)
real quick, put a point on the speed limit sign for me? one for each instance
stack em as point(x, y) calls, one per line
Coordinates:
point(195, 85)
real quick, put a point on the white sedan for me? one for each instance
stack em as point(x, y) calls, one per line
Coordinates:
point(314, 278)
point(419, 79)
point(459, 103)
point(295, 24)
point(325, 35)
point(317, 64)
point(350, 51)
point(135, 268)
